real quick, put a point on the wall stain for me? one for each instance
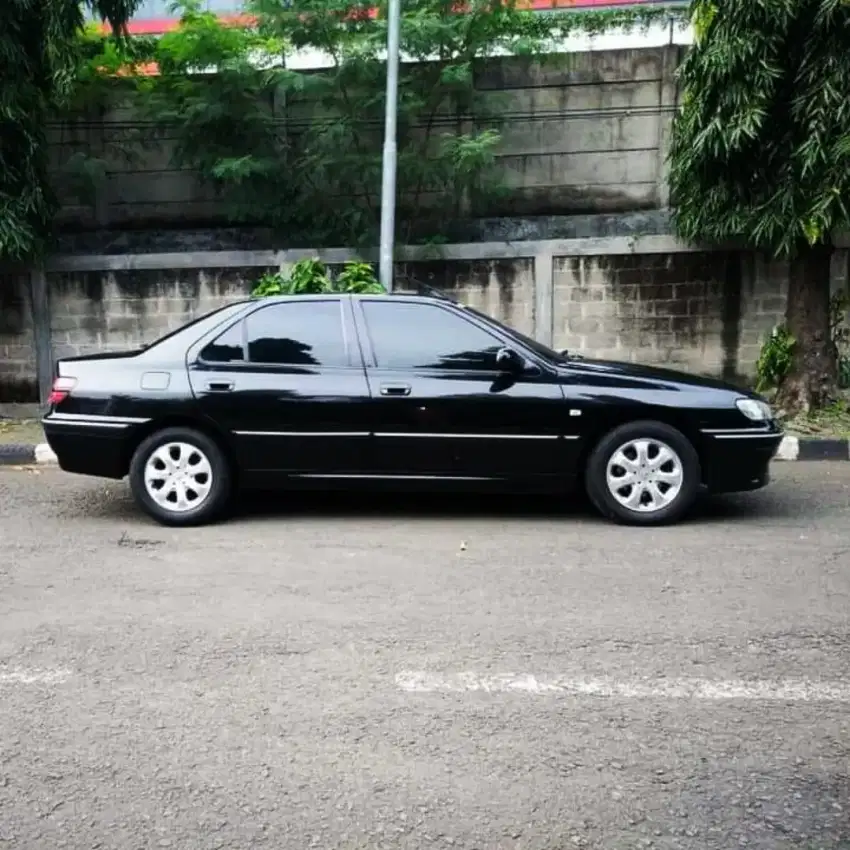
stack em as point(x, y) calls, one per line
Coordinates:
point(665, 298)
point(18, 390)
point(730, 337)
point(13, 305)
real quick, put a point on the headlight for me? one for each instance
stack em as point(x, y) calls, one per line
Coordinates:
point(753, 409)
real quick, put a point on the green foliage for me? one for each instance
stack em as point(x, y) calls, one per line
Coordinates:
point(761, 147)
point(307, 155)
point(301, 151)
point(357, 278)
point(39, 58)
point(310, 277)
point(103, 79)
point(216, 95)
point(775, 359)
point(777, 352)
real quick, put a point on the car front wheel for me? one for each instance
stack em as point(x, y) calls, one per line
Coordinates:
point(180, 477)
point(643, 473)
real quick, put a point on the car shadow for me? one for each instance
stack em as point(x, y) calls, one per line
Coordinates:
point(576, 506)
point(114, 503)
point(351, 505)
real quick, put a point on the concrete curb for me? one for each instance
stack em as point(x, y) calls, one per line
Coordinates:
point(16, 454)
point(813, 448)
point(791, 448)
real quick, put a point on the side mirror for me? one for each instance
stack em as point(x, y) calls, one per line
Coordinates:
point(508, 360)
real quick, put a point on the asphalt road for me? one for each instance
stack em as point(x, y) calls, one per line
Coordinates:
point(488, 674)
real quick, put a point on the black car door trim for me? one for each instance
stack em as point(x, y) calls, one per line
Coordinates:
point(416, 434)
point(94, 420)
point(367, 477)
point(302, 433)
point(758, 431)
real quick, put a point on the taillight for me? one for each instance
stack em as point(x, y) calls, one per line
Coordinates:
point(61, 390)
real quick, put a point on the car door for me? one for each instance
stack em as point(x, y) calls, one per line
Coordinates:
point(287, 381)
point(443, 407)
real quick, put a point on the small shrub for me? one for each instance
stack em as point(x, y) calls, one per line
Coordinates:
point(310, 277)
point(357, 277)
point(774, 359)
point(269, 284)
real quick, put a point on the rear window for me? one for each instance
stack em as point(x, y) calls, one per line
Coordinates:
point(200, 325)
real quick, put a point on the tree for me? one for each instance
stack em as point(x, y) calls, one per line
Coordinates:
point(301, 150)
point(761, 155)
point(39, 47)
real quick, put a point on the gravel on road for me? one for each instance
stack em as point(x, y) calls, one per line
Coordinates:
point(382, 672)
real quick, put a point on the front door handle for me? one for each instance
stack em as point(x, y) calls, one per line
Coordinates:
point(220, 386)
point(395, 389)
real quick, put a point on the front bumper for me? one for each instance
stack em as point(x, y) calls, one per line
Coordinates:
point(738, 459)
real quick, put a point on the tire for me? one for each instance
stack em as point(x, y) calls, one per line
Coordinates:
point(662, 493)
point(205, 477)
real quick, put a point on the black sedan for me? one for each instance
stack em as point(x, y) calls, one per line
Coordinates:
point(396, 391)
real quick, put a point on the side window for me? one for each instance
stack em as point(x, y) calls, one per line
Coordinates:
point(409, 336)
point(229, 347)
point(297, 334)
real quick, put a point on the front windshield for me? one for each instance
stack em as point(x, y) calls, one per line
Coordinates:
point(537, 347)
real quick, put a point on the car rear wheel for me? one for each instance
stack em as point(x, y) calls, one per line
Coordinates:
point(643, 473)
point(180, 477)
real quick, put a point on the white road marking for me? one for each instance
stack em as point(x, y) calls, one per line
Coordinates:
point(781, 690)
point(31, 676)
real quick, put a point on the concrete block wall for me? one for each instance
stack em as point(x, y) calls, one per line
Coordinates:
point(581, 133)
point(102, 311)
point(501, 288)
point(17, 348)
point(704, 311)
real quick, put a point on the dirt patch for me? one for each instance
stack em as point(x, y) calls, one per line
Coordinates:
point(832, 421)
point(21, 431)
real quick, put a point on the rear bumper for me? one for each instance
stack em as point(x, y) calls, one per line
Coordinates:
point(88, 446)
point(738, 460)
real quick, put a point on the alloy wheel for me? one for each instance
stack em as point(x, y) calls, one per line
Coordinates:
point(178, 477)
point(645, 475)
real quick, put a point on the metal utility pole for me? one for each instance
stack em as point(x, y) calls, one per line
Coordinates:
point(390, 159)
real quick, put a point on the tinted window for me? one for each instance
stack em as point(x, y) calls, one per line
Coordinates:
point(227, 348)
point(305, 334)
point(202, 325)
point(424, 336)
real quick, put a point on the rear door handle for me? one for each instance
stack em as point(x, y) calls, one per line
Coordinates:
point(220, 386)
point(395, 389)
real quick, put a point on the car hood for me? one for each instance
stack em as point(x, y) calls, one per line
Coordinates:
point(650, 375)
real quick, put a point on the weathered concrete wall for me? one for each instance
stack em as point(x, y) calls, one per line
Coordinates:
point(704, 312)
point(581, 133)
point(503, 288)
point(99, 311)
point(17, 349)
